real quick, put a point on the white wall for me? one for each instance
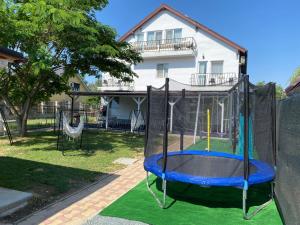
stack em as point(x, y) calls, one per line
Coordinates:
point(124, 108)
point(180, 67)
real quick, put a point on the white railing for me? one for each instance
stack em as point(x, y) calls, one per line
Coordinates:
point(175, 44)
point(214, 79)
point(116, 83)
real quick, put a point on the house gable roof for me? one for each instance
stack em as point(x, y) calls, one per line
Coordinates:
point(8, 54)
point(292, 87)
point(189, 20)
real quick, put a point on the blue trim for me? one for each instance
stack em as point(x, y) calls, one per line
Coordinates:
point(264, 172)
point(246, 185)
point(241, 137)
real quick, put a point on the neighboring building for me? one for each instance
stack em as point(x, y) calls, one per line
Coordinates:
point(293, 88)
point(9, 56)
point(175, 46)
point(77, 84)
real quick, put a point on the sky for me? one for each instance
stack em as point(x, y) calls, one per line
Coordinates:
point(269, 29)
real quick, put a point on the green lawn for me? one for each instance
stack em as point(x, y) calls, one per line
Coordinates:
point(193, 205)
point(33, 164)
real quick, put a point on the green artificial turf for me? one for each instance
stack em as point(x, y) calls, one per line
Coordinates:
point(191, 205)
point(216, 144)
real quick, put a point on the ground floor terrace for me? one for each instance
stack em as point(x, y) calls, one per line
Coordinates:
point(124, 110)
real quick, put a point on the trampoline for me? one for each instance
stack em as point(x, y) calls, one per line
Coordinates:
point(175, 119)
point(205, 168)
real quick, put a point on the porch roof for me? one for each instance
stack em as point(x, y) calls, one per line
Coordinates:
point(108, 93)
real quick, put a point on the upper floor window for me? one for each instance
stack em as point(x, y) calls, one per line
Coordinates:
point(174, 34)
point(75, 86)
point(217, 67)
point(139, 37)
point(154, 35)
point(162, 70)
point(203, 67)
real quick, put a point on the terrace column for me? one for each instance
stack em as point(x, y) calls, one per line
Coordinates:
point(107, 101)
point(55, 106)
point(171, 115)
point(138, 101)
point(172, 103)
point(221, 104)
point(197, 118)
point(42, 107)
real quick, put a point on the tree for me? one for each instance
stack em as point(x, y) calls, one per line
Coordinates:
point(280, 93)
point(94, 100)
point(59, 38)
point(295, 76)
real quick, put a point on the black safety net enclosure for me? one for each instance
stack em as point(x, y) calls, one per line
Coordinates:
point(211, 137)
point(288, 164)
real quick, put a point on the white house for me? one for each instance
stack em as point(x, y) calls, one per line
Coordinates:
point(175, 46)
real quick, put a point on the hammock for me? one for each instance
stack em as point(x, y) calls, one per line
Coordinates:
point(136, 120)
point(73, 132)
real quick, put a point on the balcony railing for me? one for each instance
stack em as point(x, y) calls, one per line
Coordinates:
point(176, 44)
point(214, 79)
point(116, 83)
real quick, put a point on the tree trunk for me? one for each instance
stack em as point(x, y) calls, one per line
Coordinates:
point(22, 125)
point(22, 119)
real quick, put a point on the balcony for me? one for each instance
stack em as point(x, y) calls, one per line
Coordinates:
point(116, 85)
point(214, 79)
point(167, 47)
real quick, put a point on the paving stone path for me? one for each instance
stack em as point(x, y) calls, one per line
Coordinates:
point(92, 200)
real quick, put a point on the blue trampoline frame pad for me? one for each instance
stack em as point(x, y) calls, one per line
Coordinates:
point(263, 173)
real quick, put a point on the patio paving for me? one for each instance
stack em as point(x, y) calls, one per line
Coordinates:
point(70, 211)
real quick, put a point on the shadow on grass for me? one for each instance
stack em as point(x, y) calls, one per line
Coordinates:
point(214, 197)
point(47, 182)
point(92, 141)
point(95, 140)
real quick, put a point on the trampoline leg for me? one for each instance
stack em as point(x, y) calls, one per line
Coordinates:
point(248, 216)
point(164, 187)
point(245, 203)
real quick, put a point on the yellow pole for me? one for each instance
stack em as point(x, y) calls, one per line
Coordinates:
point(208, 130)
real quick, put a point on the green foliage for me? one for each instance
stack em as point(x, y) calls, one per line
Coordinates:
point(280, 93)
point(57, 37)
point(94, 100)
point(295, 76)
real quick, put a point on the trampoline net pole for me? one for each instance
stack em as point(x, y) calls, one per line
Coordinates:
point(183, 121)
point(165, 135)
point(197, 118)
point(147, 118)
point(246, 127)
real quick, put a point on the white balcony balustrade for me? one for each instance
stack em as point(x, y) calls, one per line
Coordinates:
point(214, 79)
point(166, 47)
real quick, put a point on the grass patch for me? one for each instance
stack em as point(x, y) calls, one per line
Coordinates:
point(33, 164)
point(192, 205)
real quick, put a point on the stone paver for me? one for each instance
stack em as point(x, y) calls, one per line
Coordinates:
point(74, 211)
